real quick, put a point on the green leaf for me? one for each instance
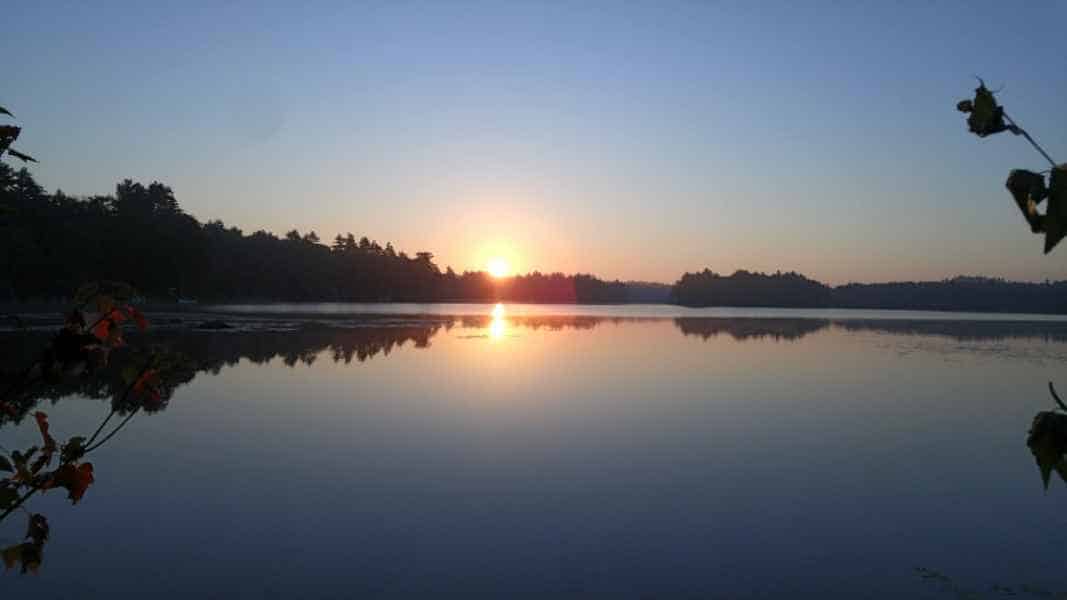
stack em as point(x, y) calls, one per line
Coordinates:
point(4, 111)
point(129, 374)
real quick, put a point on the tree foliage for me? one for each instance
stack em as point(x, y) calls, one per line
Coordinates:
point(50, 243)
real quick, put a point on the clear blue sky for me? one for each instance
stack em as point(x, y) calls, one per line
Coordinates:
point(631, 140)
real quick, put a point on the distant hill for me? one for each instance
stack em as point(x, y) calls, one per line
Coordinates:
point(793, 290)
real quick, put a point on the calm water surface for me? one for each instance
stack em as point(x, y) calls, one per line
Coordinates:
point(534, 454)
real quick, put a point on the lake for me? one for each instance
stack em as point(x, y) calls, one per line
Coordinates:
point(339, 451)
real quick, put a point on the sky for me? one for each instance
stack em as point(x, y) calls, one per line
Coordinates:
point(631, 140)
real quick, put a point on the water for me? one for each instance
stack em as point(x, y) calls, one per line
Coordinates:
point(537, 454)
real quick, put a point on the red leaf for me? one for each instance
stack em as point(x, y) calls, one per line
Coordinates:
point(76, 479)
point(42, 424)
point(147, 385)
point(102, 329)
point(137, 316)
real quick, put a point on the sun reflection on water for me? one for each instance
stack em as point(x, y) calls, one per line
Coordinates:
point(498, 326)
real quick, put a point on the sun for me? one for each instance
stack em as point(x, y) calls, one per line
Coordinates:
point(498, 267)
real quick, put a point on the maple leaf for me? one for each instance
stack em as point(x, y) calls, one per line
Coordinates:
point(75, 479)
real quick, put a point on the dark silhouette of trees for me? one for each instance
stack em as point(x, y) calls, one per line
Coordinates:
point(792, 290)
point(51, 243)
point(744, 288)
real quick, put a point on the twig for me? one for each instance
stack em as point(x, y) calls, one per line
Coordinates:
point(126, 394)
point(1056, 396)
point(20, 501)
point(101, 428)
point(1023, 133)
point(113, 431)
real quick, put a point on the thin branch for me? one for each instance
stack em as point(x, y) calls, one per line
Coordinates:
point(113, 431)
point(101, 428)
point(1023, 133)
point(21, 500)
point(1055, 396)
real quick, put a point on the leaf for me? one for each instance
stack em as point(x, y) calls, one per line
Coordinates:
point(147, 386)
point(42, 424)
point(138, 317)
point(21, 462)
point(75, 479)
point(73, 450)
point(4, 111)
point(102, 329)
point(21, 156)
point(1048, 443)
point(38, 529)
point(9, 495)
point(11, 555)
point(26, 553)
point(5, 464)
point(104, 303)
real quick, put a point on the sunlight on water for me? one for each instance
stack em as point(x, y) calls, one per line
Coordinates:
point(498, 326)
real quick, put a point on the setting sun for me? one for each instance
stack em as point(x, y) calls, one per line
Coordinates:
point(498, 267)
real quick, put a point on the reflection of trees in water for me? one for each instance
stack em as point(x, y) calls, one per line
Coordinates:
point(750, 328)
point(963, 331)
point(194, 352)
point(792, 329)
point(198, 351)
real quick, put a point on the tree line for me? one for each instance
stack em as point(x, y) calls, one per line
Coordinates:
point(793, 290)
point(52, 243)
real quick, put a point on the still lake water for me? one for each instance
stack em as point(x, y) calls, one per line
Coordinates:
point(602, 453)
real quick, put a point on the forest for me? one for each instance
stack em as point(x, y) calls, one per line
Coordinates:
point(793, 290)
point(52, 243)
